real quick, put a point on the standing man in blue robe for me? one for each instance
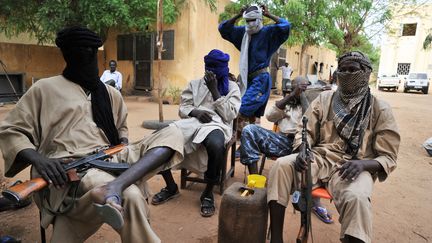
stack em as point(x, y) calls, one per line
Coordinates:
point(256, 43)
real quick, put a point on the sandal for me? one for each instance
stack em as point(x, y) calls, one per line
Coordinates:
point(207, 207)
point(164, 195)
point(111, 211)
point(322, 214)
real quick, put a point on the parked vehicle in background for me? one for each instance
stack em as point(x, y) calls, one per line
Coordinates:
point(417, 81)
point(389, 82)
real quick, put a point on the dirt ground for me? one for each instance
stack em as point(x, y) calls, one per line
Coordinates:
point(402, 208)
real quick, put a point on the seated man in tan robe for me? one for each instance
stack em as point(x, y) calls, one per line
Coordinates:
point(256, 140)
point(208, 108)
point(354, 140)
point(71, 116)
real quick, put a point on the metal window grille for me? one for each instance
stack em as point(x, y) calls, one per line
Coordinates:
point(403, 68)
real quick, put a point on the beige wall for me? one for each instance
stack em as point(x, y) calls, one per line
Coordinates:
point(23, 38)
point(34, 60)
point(319, 54)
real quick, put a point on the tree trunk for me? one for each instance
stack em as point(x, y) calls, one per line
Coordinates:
point(159, 45)
point(301, 63)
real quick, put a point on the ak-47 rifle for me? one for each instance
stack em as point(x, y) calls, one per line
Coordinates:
point(302, 200)
point(23, 190)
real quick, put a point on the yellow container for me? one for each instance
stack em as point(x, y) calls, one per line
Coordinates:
point(257, 181)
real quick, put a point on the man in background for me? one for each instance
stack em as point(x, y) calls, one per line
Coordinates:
point(112, 77)
point(286, 77)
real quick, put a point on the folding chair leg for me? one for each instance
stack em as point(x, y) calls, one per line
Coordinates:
point(233, 159)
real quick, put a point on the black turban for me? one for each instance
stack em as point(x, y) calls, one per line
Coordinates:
point(79, 47)
point(78, 36)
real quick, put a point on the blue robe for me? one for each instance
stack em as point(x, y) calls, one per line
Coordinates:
point(261, 47)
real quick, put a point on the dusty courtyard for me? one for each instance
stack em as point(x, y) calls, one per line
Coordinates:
point(402, 204)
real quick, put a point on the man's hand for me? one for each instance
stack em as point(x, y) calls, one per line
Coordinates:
point(201, 115)
point(265, 10)
point(52, 171)
point(212, 83)
point(267, 14)
point(351, 169)
point(296, 93)
point(299, 89)
point(302, 159)
point(210, 80)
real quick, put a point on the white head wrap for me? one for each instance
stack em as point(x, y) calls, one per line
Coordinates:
point(252, 27)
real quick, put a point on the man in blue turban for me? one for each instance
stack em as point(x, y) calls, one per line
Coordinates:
point(208, 107)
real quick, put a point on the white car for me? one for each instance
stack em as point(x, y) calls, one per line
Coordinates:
point(417, 81)
point(389, 82)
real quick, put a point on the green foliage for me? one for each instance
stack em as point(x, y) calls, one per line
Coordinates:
point(175, 94)
point(369, 50)
point(349, 19)
point(43, 18)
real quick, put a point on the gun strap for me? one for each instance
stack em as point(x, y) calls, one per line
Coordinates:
point(69, 201)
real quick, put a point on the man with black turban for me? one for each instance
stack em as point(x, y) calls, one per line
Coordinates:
point(354, 140)
point(208, 107)
point(71, 116)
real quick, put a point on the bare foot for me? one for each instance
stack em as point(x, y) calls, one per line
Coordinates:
point(105, 195)
point(107, 203)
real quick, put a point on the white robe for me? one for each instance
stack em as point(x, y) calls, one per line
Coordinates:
point(224, 110)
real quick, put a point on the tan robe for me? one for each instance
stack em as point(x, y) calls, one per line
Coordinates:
point(352, 199)
point(54, 117)
point(224, 111)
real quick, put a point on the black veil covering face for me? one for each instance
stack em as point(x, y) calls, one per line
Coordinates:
point(79, 47)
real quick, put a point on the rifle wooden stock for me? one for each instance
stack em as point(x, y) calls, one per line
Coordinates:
point(21, 191)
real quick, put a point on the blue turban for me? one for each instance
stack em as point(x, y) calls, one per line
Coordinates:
point(217, 62)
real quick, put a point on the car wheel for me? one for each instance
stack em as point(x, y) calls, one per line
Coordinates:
point(405, 90)
point(426, 90)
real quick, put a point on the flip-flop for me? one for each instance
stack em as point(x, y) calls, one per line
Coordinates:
point(109, 213)
point(207, 207)
point(322, 214)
